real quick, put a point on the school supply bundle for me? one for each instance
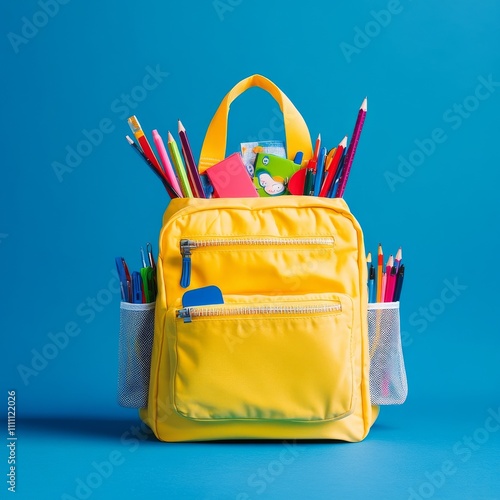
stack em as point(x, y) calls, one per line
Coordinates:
point(388, 384)
point(261, 324)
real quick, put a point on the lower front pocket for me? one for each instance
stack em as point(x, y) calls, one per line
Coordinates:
point(264, 357)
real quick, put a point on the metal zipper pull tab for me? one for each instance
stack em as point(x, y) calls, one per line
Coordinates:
point(186, 247)
point(185, 314)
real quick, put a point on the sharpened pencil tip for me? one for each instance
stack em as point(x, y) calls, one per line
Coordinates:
point(343, 142)
point(170, 137)
point(369, 257)
point(399, 254)
point(129, 140)
point(364, 105)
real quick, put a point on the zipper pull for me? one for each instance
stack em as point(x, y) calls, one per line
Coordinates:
point(185, 314)
point(186, 247)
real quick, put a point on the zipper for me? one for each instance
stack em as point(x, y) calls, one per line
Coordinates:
point(187, 246)
point(189, 313)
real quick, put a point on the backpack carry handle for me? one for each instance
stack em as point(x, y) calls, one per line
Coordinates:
point(296, 131)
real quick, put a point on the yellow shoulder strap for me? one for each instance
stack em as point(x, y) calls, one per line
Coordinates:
point(296, 131)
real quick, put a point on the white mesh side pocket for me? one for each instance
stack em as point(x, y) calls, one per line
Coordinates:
point(388, 385)
point(134, 353)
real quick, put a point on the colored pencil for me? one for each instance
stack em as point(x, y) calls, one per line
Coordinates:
point(391, 284)
point(380, 272)
point(351, 151)
point(167, 166)
point(398, 258)
point(179, 166)
point(173, 193)
point(332, 168)
point(316, 148)
point(191, 167)
point(388, 267)
point(136, 128)
point(384, 286)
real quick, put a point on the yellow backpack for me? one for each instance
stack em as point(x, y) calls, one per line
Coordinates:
point(286, 355)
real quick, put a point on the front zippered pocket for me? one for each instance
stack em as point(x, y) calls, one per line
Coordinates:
point(251, 243)
point(263, 358)
point(204, 312)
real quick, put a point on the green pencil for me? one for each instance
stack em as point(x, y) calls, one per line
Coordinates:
point(179, 166)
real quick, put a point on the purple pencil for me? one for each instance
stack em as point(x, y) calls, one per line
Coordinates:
point(351, 151)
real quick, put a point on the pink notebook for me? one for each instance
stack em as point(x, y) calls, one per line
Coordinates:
point(230, 179)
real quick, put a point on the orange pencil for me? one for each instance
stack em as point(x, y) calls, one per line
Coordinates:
point(384, 286)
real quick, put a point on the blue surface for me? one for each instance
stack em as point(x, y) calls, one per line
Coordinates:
point(425, 177)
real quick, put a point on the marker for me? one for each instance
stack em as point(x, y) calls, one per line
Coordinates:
point(309, 182)
point(319, 171)
point(399, 283)
point(371, 284)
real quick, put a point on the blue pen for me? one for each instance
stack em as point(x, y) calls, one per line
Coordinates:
point(372, 296)
point(335, 183)
point(318, 180)
point(136, 288)
point(124, 277)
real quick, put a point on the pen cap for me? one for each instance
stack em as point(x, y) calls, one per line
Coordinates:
point(296, 131)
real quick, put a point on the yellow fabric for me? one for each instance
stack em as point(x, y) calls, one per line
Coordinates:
point(262, 368)
point(296, 131)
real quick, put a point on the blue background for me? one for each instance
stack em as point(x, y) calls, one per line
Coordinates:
point(422, 65)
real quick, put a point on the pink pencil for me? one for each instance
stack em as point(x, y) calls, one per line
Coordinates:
point(384, 285)
point(391, 280)
point(167, 166)
point(351, 150)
